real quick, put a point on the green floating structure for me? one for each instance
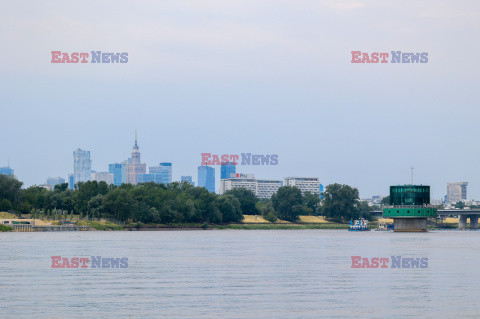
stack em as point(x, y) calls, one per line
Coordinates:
point(410, 208)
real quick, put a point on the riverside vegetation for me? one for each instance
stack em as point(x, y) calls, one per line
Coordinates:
point(179, 205)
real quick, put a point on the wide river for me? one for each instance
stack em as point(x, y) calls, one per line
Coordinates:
point(240, 274)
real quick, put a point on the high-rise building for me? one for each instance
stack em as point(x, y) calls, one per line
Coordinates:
point(6, 171)
point(119, 172)
point(261, 188)
point(71, 181)
point(226, 170)
point(82, 166)
point(102, 177)
point(320, 189)
point(52, 181)
point(162, 173)
point(206, 178)
point(134, 167)
point(305, 184)
point(456, 192)
point(188, 179)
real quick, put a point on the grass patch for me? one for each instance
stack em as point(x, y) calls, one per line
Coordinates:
point(5, 215)
point(101, 225)
point(5, 228)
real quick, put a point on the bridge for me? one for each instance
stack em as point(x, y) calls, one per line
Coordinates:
point(463, 215)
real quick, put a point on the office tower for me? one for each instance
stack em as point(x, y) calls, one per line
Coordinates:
point(305, 184)
point(456, 192)
point(162, 173)
point(82, 166)
point(52, 181)
point(226, 170)
point(6, 171)
point(146, 178)
point(206, 178)
point(119, 171)
point(187, 179)
point(102, 177)
point(320, 189)
point(134, 167)
point(71, 181)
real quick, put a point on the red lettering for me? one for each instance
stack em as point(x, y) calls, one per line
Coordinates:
point(84, 56)
point(205, 157)
point(384, 56)
point(216, 160)
point(56, 259)
point(84, 262)
point(355, 262)
point(384, 262)
point(355, 55)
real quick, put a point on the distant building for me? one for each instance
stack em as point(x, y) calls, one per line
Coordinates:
point(187, 179)
point(261, 188)
point(266, 188)
point(102, 177)
point(82, 166)
point(246, 181)
point(320, 189)
point(162, 173)
point(119, 172)
point(71, 181)
point(6, 171)
point(305, 184)
point(52, 181)
point(226, 170)
point(456, 192)
point(146, 178)
point(206, 177)
point(134, 167)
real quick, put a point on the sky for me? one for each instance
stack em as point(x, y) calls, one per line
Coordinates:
point(232, 77)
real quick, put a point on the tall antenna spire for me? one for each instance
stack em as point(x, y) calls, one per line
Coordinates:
point(135, 136)
point(411, 167)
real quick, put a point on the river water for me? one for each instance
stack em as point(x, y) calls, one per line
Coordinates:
point(240, 274)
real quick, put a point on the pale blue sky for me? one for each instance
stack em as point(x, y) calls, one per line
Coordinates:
point(266, 77)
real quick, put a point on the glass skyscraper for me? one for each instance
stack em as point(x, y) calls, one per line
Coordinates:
point(206, 178)
point(188, 179)
point(6, 171)
point(119, 171)
point(82, 166)
point(226, 170)
point(162, 173)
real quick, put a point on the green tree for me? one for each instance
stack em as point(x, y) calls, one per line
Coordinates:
point(311, 202)
point(247, 200)
point(287, 203)
point(10, 189)
point(385, 200)
point(340, 202)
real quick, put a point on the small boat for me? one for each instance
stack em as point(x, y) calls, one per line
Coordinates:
point(384, 227)
point(359, 225)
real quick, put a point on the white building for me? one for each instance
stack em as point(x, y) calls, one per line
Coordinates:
point(241, 181)
point(266, 188)
point(456, 192)
point(305, 184)
point(261, 188)
point(102, 177)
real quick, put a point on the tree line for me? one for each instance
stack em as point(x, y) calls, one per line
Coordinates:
point(176, 202)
